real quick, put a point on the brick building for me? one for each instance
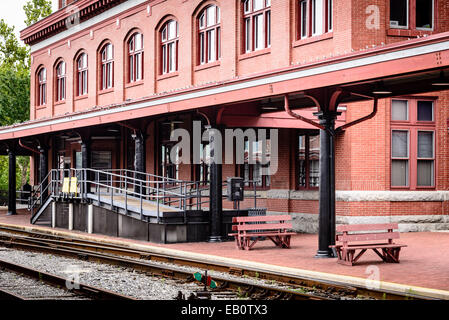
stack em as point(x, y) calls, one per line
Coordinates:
point(112, 77)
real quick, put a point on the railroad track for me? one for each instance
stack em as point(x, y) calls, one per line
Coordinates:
point(287, 287)
point(19, 282)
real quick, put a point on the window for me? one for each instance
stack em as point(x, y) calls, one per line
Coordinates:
point(424, 14)
point(315, 17)
point(81, 75)
point(107, 67)
point(308, 164)
point(255, 169)
point(202, 170)
point(257, 24)
point(60, 81)
point(135, 62)
point(169, 47)
point(209, 36)
point(412, 143)
point(169, 169)
point(42, 87)
point(412, 14)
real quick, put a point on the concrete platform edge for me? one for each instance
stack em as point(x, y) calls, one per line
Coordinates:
point(257, 266)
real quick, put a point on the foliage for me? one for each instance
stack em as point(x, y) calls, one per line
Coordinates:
point(15, 84)
point(36, 10)
point(11, 52)
point(14, 94)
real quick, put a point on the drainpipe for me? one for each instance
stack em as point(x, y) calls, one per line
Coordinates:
point(28, 148)
point(297, 116)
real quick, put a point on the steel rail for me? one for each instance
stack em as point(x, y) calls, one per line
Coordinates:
point(8, 295)
point(293, 293)
point(79, 288)
point(93, 250)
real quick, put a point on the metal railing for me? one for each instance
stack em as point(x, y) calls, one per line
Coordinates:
point(132, 189)
point(121, 186)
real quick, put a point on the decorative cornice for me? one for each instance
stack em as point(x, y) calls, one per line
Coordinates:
point(75, 13)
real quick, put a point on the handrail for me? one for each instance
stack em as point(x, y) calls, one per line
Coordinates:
point(113, 183)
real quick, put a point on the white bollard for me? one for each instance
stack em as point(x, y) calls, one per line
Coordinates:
point(90, 218)
point(70, 216)
point(53, 214)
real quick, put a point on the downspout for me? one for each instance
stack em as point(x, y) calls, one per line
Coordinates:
point(371, 115)
point(28, 148)
point(297, 116)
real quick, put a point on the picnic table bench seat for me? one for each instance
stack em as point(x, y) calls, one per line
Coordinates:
point(363, 237)
point(249, 230)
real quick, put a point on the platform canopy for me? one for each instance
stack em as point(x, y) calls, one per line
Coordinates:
point(409, 67)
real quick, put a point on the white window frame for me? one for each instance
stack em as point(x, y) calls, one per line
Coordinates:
point(407, 19)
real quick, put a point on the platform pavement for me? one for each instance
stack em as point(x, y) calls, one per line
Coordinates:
point(424, 266)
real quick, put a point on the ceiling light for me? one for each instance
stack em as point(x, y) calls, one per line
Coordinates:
point(441, 80)
point(380, 89)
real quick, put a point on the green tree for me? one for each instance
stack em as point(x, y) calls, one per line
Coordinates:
point(36, 10)
point(15, 84)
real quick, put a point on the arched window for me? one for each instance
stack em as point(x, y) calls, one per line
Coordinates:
point(107, 67)
point(135, 61)
point(42, 87)
point(257, 24)
point(81, 74)
point(60, 81)
point(169, 46)
point(209, 37)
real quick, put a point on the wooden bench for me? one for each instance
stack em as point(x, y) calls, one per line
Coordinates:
point(248, 232)
point(367, 236)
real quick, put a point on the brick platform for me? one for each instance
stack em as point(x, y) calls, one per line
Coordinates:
point(424, 263)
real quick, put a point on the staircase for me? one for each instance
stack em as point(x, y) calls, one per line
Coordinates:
point(139, 195)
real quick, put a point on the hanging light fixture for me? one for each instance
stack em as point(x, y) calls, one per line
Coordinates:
point(380, 89)
point(441, 81)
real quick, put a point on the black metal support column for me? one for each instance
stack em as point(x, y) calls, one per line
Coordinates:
point(326, 222)
point(43, 170)
point(85, 163)
point(139, 158)
point(12, 183)
point(216, 191)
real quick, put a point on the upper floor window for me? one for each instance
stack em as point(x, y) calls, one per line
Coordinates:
point(412, 143)
point(60, 81)
point(42, 87)
point(412, 14)
point(209, 36)
point(169, 46)
point(257, 24)
point(107, 67)
point(135, 62)
point(315, 17)
point(81, 75)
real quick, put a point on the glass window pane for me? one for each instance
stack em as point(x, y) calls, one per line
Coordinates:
point(424, 14)
point(399, 173)
point(425, 144)
point(211, 46)
point(425, 173)
point(258, 4)
point(399, 13)
point(399, 110)
point(259, 34)
point(248, 34)
point(399, 147)
point(425, 111)
point(304, 19)
point(211, 11)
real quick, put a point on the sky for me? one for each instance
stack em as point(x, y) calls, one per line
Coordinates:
point(12, 12)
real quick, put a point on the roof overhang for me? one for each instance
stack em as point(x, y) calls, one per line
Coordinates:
point(408, 67)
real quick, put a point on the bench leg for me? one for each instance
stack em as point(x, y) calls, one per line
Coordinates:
point(391, 255)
